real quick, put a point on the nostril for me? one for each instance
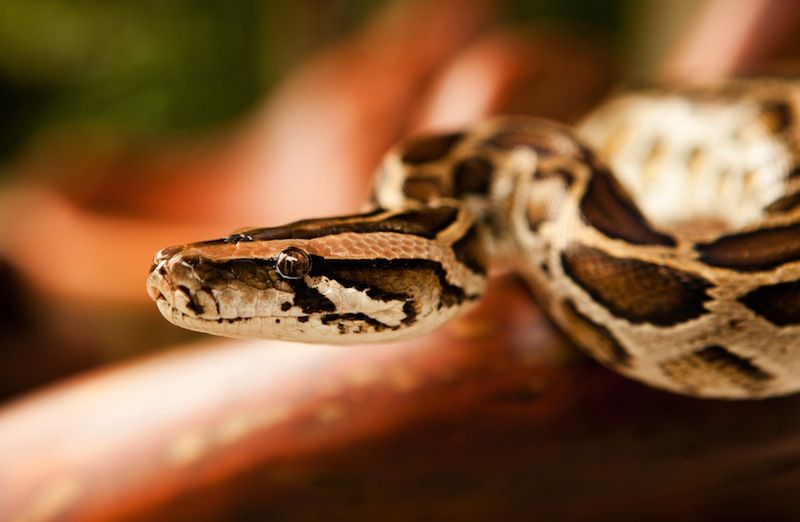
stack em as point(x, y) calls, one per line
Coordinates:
point(154, 291)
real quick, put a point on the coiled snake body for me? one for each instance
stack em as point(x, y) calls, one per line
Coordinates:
point(663, 237)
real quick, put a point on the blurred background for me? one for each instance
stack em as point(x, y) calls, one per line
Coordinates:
point(130, 126)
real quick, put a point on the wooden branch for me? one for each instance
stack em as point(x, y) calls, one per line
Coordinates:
point(491, 416)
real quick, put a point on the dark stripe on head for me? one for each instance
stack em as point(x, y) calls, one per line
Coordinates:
point(607, 207)
point(259, 274)
point(471, 250)
point(778, 303)
point(715, 366)
point(472, 176)
point(635, 290)
point(426, 222)
point(362, 278)
point(391, 278)
point(595, 339)
point(429, 148)
point(309, 299)
point(755, 250)
point(254, 273)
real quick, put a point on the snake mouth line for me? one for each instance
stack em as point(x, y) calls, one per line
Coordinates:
point(173, 314)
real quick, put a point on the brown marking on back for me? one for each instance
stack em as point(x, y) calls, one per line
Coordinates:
point(470, 250)
point(635, 290)
point(607, 207)
point(776, 115)
point(778, 303)
point(429, 148)
point(472, 176)
point(595, 339)
point(754, 250)
point(715, 366)
point(784, 203)
point(422, 188)
point(535, 217)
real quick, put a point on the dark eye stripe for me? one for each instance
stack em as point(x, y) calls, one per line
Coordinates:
point(425, 222)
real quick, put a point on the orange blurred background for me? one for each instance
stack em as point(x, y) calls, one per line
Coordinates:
point(131, 126)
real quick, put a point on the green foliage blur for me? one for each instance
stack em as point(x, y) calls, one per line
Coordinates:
point(156, 67)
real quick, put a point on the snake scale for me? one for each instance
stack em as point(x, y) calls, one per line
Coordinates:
point(662, 235)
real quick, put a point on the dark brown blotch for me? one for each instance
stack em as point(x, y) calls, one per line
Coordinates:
point(755, 250)
point(595, 339)
point(193, 304)
point(471, 250)
point(422, 188)
point(472, 176)
point(635, 290)
point(429, 148)
point(776, 115)
point(341, 321)
point(778, 303)
point(410, 309)
point(309, 299)
point(607, 206)
point(784, 203)
point(715, 366)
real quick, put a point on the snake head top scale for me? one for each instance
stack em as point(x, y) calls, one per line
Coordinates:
point(375, 276)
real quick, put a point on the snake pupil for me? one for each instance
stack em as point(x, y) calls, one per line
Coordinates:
point(293, 263)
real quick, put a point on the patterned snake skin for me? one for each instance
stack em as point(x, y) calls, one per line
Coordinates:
point(662, 236)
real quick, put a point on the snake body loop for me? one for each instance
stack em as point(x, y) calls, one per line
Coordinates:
point(662, 236)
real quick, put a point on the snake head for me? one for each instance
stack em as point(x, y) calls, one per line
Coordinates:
point(364, 278)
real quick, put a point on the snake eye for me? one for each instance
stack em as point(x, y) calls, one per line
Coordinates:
point(293, 263)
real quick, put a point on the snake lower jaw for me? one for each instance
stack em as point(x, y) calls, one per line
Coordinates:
point(288, 328)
